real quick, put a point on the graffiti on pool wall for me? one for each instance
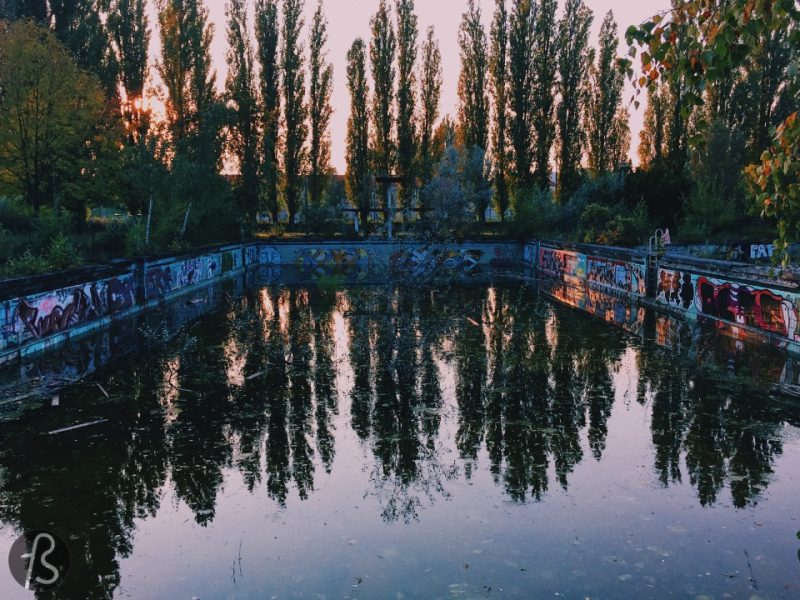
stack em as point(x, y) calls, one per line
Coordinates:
point(54, 312)
point(251, 255)
point(333, 262)
point(503, 258)
point(738, 304)
point(561, 262)
point(163, 279)
point(427, 260)
point(529, 254)
point(675, 288)
point(616, 274)
point(267, 255)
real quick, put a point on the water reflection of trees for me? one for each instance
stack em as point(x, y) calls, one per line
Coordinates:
point(397, 397)
point(254, 389)
point(722, 425)
point(526, 381)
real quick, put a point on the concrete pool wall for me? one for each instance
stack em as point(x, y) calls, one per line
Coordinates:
point(739, 300)
point(40, 313)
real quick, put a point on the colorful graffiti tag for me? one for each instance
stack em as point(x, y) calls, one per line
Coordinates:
point(419, 262)
point(562, 262)
point(251, 255)
point(163, 279)
point(345, 261)
point(767, 310)
point(267, 255)
point(617, 275)
point(35, 317)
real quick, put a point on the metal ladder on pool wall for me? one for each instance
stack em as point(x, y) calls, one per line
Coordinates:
point(655, 251)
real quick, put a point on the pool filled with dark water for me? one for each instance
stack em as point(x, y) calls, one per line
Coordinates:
point(386, 441)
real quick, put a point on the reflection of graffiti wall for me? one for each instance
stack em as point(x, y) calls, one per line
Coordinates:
point(767, 310)
point(529, 255)
point(48, 313)
point(618, 309)
point(616, 274)
point(418, 262)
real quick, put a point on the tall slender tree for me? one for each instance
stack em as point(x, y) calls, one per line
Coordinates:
point(130, 33)
point(545, 55)
point(430, 97)
point(522, 24)
point(472, 83)
point(81, 26)
point(382, 53)
point(294, 107)
point(603, 100)
point(653, 136)
point(319, 109)
point(241, 97)
point(357, 177)
point(573, 63)
point(267, 34)
point(499, 73)
point(185, 68)
point(407, 34)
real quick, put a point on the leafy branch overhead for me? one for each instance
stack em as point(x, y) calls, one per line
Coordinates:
point(699, 43)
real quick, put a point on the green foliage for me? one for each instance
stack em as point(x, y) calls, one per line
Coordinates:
point(407, 34)
point(266, 17)
point(498, 64)
point(62, 254)
point(430, 96)
point(382, 49)
point(47, 146)
point(697, 50)
point(358, 181)
point(27, 263)
point(319, 109)
point(573, 63)
point(295, 109)
point(473, 111)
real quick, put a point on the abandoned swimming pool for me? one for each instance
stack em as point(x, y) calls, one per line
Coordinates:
point(391, 441)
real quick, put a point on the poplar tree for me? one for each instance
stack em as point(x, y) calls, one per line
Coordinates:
point(130, 33)
point(195, 120)
point(653, 136)
point(294, 109)
point(521, 79)
point(241, 97)
point(319, 108)
point(573, 63)
point(357, 177)
point(430, 97)
point(472, 83)
point(267, 34)
point(603, 100)
point(382, 53)
point(80, 25)
point(185, 69)
point(499, 73)
point(407, 34)
point(545, 55)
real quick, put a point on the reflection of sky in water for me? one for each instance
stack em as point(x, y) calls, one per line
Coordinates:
point(398, 443)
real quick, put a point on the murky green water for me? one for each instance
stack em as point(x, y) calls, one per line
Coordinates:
point(385, 442)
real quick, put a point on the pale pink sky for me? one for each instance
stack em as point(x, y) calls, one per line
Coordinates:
point(349, 19)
